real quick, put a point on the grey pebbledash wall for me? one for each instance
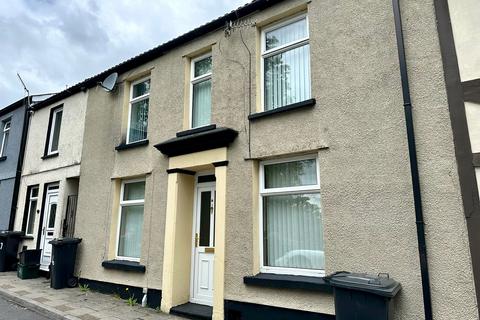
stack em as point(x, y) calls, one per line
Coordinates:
point(8, 166)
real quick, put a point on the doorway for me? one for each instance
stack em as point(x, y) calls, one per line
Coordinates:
point(48, 227)
point(204, 244)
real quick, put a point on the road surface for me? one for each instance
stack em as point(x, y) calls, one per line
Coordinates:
point(11, 311)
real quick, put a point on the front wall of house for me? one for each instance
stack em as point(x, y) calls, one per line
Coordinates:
point(63, 169)
point(357, 129)
point(70, 141)
point(8, 166)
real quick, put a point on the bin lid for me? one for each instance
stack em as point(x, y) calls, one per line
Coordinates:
point(6, 233)
point(64, 241)
point(380, 285)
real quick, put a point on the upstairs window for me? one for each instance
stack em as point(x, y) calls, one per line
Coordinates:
point(54, 130)
point(132, 199)
point(5, 136)
point(201, 91)
point(138, 111)
point(291, 217)
point(286, 63)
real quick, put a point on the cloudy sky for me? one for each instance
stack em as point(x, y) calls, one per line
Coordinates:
point(58, 43)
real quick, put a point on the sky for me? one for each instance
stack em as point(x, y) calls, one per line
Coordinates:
point(53, 44)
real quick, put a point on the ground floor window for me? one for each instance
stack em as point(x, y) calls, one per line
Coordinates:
point(32, 201)
point(291, 217)
point(130, 225)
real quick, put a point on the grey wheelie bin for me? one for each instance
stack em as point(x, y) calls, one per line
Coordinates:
point(363, 297)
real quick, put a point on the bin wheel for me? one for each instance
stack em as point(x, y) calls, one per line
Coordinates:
point(72, 282)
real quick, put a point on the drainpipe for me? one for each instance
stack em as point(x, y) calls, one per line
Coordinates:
point(417, 198)
point(18, 174)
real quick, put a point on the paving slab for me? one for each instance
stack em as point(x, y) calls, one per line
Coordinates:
point(72, 303)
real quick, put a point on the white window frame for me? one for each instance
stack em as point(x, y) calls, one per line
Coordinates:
point(285, 191)
point(127, 203)
point(134, 100)
point(3, 149)
point(30, 199)
point(52, 131)
point(283, 48)
point(194, 80)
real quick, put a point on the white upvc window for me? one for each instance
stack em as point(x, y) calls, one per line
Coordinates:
point(201, 91)
point(291, 227)
point(285, 63)
point(138, 111)
point(55, 126)
point(32, 210)
point(130, 220)
point(5, 136)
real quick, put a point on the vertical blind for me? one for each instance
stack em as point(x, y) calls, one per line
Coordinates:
point(131, 220)
point(202, 101)
point(294, 236)
point(292, 220)
point(287, 70)
point(131, 231)
point(202, 92)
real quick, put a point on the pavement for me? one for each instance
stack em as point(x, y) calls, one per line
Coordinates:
point(35, 298)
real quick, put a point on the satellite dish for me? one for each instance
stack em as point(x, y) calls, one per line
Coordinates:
point(109, 83)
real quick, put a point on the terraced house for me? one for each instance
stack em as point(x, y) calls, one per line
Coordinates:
point(12, 142)
point(50, 176)
point(231, 169)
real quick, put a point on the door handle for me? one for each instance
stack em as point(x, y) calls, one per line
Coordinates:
point(196, 240)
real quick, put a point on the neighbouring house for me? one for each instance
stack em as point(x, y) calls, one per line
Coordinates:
point(234, 167)
point(13, 129)
point(49, 181)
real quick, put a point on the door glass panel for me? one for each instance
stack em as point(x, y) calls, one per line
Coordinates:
point(51, 218)
point(205, 218)
point(31, 216)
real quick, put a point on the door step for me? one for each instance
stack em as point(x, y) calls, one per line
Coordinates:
point(193, 311)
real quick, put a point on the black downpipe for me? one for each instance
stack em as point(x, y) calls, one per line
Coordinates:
point(18, 174)
point(417, 196)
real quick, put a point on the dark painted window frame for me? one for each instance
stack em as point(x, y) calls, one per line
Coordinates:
point(26, 208)
point(310, 103)
point(46, 154)
point(133, 145)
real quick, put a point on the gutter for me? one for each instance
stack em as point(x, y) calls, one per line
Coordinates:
point(21, 155)
point(417, 197)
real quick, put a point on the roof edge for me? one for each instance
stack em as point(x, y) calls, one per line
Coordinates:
point(17, 104)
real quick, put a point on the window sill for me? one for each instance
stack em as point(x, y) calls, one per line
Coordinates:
point(3, 158)
point(124, 265)
point(48, 156)
point(196, 130)
point(271, 280)
point(125, 146)
point(295, 106)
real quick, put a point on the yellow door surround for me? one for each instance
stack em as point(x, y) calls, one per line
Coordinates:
point(179, 223)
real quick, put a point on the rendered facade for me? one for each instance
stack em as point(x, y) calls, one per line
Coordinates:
point(236, 166)
point(12, 127)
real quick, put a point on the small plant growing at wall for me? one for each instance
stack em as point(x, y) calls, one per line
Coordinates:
point(84, 288)
point(131, 301)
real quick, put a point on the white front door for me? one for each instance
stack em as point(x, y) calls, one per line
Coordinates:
point(204, 242)
point(48, 228)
